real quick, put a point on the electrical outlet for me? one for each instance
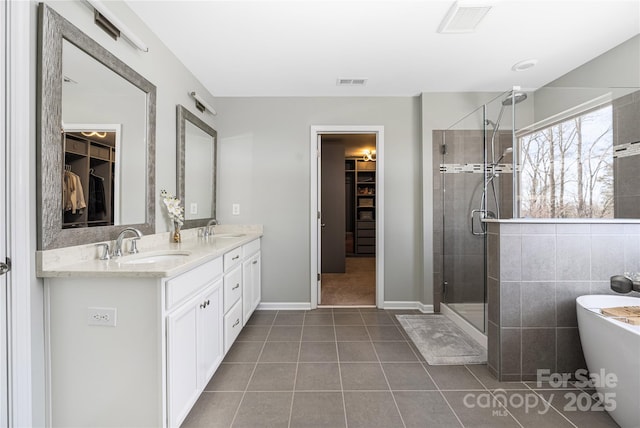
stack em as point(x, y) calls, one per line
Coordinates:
point(102, 316)
point(235, 209)
point(194, 208)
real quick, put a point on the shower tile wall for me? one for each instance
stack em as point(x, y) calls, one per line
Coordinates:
point(535, 272)
point(626, 130)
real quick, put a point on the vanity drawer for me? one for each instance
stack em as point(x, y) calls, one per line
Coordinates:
point(232, 325)
point(250, 248)
point(232, 258)
point(232, 288)
point(184, 285)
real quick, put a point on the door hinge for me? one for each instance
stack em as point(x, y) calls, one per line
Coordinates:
point(318, 277)
point(318, 215)
point(443, 149)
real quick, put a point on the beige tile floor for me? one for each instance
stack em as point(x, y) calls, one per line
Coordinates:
point(356, 368)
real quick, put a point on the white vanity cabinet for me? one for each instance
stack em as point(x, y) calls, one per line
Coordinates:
point(194, 349)
point(251, 292)
point(168, 335)
point(232, 296)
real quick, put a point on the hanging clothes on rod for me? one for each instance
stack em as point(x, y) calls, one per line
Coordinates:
point(72, 193)
point(97, 198)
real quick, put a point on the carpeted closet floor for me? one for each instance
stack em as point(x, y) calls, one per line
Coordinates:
point(357, 286)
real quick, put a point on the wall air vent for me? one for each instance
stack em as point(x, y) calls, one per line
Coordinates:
point(463, 17)
point(351, 82)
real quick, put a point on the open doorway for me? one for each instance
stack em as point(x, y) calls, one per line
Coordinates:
point(347, 174)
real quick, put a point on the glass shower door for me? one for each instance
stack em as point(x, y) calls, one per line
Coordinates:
point(463, 176)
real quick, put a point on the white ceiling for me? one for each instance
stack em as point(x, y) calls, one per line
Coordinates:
point(301, 47)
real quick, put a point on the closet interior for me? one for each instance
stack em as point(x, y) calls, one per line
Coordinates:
point(88, 179)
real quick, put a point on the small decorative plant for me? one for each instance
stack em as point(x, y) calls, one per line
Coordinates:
point(176, 212)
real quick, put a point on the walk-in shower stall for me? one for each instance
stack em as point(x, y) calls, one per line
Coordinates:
point(475, 167)
point(558, 152)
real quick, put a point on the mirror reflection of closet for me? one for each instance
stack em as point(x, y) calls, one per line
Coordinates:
point(90, 188)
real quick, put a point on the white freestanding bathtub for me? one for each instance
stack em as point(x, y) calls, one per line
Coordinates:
point(612, 347)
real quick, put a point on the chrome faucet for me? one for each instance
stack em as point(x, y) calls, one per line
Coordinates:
point(209, 229)
point(117, 251)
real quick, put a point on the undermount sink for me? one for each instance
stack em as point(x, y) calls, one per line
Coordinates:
point(154, 257)
point(228, 235)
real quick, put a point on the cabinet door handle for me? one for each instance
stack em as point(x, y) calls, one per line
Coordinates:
point(236, 323)
point(207, 302)
point(236, 257)
point(236, 286)
point(255, 262)
point(203, 305)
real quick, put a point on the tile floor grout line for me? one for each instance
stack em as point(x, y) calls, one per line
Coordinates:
point(554, 407)
point(246, 388)
point(449, 404)
point(441, 393)
point(386, 379)
point(344, 402)
point(505, 408)
point(295, 377)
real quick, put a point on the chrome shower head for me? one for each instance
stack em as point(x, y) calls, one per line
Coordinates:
point(514, 98)
point(506, 152)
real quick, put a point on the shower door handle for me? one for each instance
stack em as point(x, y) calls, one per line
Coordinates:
point(481, 215)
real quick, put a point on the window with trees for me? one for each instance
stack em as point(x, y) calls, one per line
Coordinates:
point(567, 168)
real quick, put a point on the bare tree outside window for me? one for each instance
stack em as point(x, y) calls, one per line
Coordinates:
point(567, 168)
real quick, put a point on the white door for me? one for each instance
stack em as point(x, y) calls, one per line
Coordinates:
point(4, 381)
point(319, 222)
point(316, 208)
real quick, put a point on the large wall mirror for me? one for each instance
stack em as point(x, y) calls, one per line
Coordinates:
point(96, 165)
point(196, 167)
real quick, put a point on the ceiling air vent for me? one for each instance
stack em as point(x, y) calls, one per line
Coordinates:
point(463, 18)
point(351, 82)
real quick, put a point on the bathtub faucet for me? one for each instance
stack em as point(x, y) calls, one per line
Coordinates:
point(625, 283)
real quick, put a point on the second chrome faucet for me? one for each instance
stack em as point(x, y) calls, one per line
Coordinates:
point(117, 251)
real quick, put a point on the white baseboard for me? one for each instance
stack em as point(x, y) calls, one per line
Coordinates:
point(284, 306)
point(399, 305)
point(305, 306)
point(464, 325)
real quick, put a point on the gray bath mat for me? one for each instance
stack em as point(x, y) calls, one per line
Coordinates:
point(441, 341)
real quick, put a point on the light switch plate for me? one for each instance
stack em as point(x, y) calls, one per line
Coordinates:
point(193, 208)
point(235, 209)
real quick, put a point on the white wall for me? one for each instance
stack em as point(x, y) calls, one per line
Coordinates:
point(264, 153)
point(173, 82)
point(616, 72)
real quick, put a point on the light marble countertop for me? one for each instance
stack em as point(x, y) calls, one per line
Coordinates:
point(82, 260)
